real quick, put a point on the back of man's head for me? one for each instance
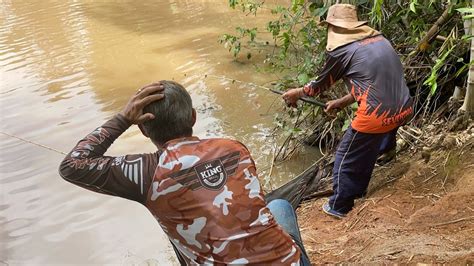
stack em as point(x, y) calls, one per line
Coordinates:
point(173, 114)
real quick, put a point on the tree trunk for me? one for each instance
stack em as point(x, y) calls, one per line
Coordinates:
point(468, 105)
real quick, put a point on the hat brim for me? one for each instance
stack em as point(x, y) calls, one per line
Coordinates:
point(343, 24)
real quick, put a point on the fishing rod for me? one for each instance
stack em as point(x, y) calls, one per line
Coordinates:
point(33, 143)
point(304, 99)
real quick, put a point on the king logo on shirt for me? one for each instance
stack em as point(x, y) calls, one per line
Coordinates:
point(211, 174)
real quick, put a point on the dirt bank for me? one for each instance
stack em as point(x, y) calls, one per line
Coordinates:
point(419, 209)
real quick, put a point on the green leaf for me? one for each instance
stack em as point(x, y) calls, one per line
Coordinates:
point(303, 78)
point(233, 3)
point(413, 7)
point(295, 4)
point(462, 69)
point(432, 79)
point(347, 122)
point(277, 10)
point(253, 34)
point(465, 10)
point(319, 12)
point(295, 130)
point(354, 106)
point(286, 41)
point(236, 50)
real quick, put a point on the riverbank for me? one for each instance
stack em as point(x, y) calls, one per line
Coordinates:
point(419, 209)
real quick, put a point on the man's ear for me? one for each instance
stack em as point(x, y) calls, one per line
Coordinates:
point(143, 130)
point(194, 116)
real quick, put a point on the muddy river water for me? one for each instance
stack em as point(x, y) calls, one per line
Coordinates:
point(66, 67)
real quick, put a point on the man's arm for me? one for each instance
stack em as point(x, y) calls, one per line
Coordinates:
point(127, 176)
point(333, 70)
point(340, 103)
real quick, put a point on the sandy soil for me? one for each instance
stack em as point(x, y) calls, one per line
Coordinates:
point(415, 212)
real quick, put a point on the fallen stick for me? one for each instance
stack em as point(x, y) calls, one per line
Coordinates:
point(464, 147)
point(399, 213)
point(354, 223)
point(454, 221)
point(411, 135)
point(271, 166)
point(359, 252)
point(319, 194)
point(363, 207)
point(429, 178)
point(392, 253)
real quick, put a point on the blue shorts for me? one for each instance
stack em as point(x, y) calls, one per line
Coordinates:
point(285, 216)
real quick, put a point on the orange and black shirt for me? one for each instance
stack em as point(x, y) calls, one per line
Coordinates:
point(373, 73)
point(205, 194)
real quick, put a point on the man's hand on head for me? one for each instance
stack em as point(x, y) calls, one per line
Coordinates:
point(133, 111)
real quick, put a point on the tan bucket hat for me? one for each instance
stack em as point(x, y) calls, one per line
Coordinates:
point(347, 28)
point(343, 16)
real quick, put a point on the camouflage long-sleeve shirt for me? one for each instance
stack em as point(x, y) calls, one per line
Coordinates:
point(373, 73)
point(204, 193)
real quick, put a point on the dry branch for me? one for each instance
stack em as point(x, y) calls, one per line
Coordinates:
point(434, 30)
point(454, 221)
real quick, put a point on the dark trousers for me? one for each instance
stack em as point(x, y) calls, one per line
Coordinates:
point(355, 160)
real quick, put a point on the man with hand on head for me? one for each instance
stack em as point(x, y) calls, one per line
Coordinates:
point(204, 193)
point(373, 73)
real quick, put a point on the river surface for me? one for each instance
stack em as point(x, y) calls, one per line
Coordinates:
point(68, 66)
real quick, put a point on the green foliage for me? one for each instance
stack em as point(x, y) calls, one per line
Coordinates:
point(376, 13)
point(298, 44)
point(234, 44)
point(249, 7)
point(413, 5)
point(466, 10)
point(446, 50)
point(432, 79)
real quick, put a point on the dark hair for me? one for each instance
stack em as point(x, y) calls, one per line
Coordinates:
point(173, 114)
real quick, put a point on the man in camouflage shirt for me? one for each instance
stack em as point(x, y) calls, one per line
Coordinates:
point(204, 193)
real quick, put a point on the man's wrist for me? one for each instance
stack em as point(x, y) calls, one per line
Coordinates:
point(302, 91)
point(124, 120)
point(348, 99)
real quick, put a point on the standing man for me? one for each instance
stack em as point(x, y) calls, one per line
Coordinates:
point(204, 193)
point(373, 73)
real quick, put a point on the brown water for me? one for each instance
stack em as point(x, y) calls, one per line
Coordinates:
point(67, 66)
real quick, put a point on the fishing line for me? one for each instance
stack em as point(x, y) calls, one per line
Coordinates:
point(33, 143)
point(304, 99)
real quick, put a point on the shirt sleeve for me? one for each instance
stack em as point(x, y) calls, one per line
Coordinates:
point(333, 70)
point(126, 176)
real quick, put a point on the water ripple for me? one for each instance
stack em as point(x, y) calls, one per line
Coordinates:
point(66, 67)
